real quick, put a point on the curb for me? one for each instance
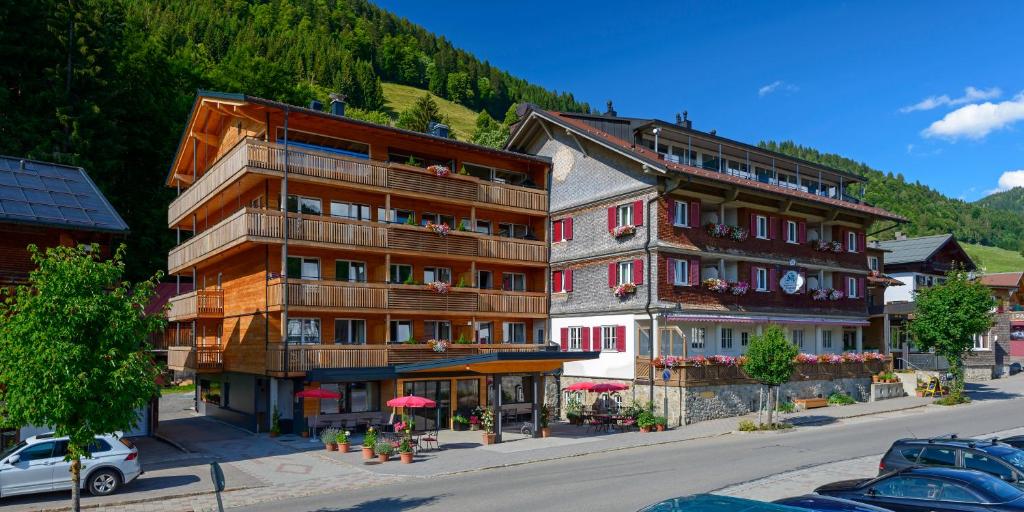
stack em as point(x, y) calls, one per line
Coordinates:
point(797, 423)
point(160, 437)
point(148, 500)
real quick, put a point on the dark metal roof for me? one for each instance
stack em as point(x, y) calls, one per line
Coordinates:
point(493, 357)
point(55, 195)
point(913, 250)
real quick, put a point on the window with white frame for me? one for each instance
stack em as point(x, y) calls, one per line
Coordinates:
point(608, 339)
point(304, 330)
point(624, 215)
point(401, 331)
point(303, 268)
point(873, 263)
point(437, 218)
point(438, 329)
point(515, 332)
point(625, 272)
point(682, 214)
point(348, 331)
point(851, 242)
point(399, 273)
point(851, 287)
point(762, 279)
point(431, 274)
point(762, 227)
point(826, 339)
point(512, 230)
point(726, 335)
point(798, 338)
point(682, 272)
point(575, 338)
point(792, 232)
point(351, 271)
point(698, 337)
point(515, 281)
point(744, 339)
point(304, 205)
point(483, 332)
point(981, 341)
point(352, 211)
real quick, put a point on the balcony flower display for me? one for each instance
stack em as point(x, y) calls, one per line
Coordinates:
point(667, 362)
point(440, 287)
point(624, 289)
point(441, 229)
point(822, 294)
point(726, 231)
point(716, 285)
point(439, 345)
point(805, 358)
point(824, 246)
point(739, 288)
point(439, 170)
point(618, 231)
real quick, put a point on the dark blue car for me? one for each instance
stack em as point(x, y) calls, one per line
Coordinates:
point(932, 489)
point(819, 503)
point(715, 503)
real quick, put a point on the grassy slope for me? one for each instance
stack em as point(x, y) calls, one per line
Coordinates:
point(400, 97)
point(994, 259)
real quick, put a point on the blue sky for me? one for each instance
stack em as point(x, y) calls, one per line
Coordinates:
point(929, 89)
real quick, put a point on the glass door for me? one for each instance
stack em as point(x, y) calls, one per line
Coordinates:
point(439, 391)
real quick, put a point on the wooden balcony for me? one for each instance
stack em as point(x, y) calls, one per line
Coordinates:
point(255, 156)
point(196, 304)
point(339, 295)
point(199, 359)
point(302, 358)
point(267, 226)
point(690, 375)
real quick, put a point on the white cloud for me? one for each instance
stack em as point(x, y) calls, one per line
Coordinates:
point(777, 85)
point(978, 120)
point(971, 94)
point(1008, 180)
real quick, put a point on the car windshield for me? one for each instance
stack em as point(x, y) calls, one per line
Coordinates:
point(998, 489)
point(1014, 458)
point(5, 453)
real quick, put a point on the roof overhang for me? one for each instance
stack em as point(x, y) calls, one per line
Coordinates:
point(760, 319)
point(499, 362)
point(351, 374)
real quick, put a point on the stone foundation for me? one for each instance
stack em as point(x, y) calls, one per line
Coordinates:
point(978, 373)
point(885, 391)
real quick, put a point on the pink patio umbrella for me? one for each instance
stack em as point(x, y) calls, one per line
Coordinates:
point(580, 386)
point(415, 402)
point(319, 394)
point(608, 387)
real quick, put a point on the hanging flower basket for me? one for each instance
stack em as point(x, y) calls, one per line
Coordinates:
point(441, 229)
point(624, 289)
point(825, 246)
point(739, 288)
point(823, 294)
point(716, 285)
point(440, 287)
point(439, 170)
point(439, 345)
point(726, 231)
point(619, 231)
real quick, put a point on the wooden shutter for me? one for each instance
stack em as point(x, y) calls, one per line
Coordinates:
point(556, 281)
point(846, 284)
point(693, 219)
point(773, 279)
point(753, 278)
point(862, 242)
point(585, 333)
point(620, 338)
point(567, 280)
point(773, 228)
point(694, 272)
point(565, 339)
point(670, 270)
point(802, 232)
point(671, 212)
point(612, 278)
point(597, 338)
point(556, 226)
point(638, 271)
point(611, 218)
point(844, 236)
point(567, 228)
point(753, 224)
point(860, 288)
point(638, 213)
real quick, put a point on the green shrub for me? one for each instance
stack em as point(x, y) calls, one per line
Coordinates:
point(370, 439)
point(747, 426)
point(786, 407)
point(953, 400)
point(660, 421)
point(840, 398)
point(383, 448)
point(645, 420)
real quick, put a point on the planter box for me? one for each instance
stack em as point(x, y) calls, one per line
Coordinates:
point(885, 391)
point(810, 403)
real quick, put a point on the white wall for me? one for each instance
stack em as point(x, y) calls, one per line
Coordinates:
point(611, 365)
point(903, 293)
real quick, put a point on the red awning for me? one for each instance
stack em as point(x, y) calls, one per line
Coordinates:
point(766, 319)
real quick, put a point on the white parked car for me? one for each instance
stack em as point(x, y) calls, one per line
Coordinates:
point(37, 465)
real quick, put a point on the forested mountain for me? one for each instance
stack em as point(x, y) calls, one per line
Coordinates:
point(107, 84)
point(930, 212)
point(1009, 200)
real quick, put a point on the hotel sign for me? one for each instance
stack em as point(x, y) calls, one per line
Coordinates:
point(791, 282)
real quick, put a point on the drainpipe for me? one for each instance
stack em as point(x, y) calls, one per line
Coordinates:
point(669, 187)
point(284, 247)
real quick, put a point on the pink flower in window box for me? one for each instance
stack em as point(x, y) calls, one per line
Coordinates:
point(440, 287)
point(624, 289)
point(439, 170)
point(618, 231)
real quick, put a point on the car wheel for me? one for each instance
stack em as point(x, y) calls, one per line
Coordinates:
point(104, 482)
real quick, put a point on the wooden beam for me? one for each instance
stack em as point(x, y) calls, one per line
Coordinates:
point(205, 138)
point(578, 143)
point(785, 205)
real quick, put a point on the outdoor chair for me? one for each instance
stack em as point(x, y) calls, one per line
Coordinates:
point(429, 438)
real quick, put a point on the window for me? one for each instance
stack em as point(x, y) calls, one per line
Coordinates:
point(761, 227)
point(350, 210)
point(624, 215)
point(431, 274)
point(935, 456)
point(798, 339)
point(851, 241)
point(304, 331)
point(437, 218)
point(645, 343)
point(989, 465)
point(484, 280)
point(401, 331)
point(697, 338)
point(849, 339)
point(496, 175)
point(483, 332)
point(744, 339)
point(826, 339)
point(625, 272)
point(909, 487)
point(483, 227)
point(792, 233)
point(561, 230)
point(957, 493)
point(351, 271)
point(981, 340)
point(682, 214)
point(303, 268)
point(514, 281)
point(852, 289)
point(671, 342)
point(37, 452)
point(395, 216)
point(515, 332)
point(726, 341)
point(682, 271)
point(511, 230)
point(762, 279)
point(349, 331)
point(575, 338)
point(608, 338)
point(438, 329)
point(304, 205)
point(400, 273)
point(873, 263)
point(355, 397)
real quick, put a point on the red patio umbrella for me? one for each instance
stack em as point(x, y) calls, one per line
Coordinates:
point(411, 401)
point(580, 386)
point(317, 393)
point(608, 387)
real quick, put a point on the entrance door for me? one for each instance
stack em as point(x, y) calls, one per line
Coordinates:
point(439, 391)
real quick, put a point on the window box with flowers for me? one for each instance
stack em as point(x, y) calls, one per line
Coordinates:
point(441, 229)
point(624, 290)
point(726, 231)
point(716, 285)
point(830, 294)
point(439, 345)
point(621, 231)
point(739, 288)
point(440, 287)
point(439, 170)
point(826, 246)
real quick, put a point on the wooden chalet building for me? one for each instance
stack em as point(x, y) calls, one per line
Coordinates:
point(409, 264)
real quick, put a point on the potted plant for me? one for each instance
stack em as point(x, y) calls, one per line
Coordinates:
point(875, 379)
point(384, 451)
point(342, 441)
point(545, 414)
point(487, 423)
point(645, 420)
point(574, 412)
point(305, 433)
point(460, 422)
point(369, 442)
point(660, 423)
point(405, 450)
point(329, 436)
point(275, 423)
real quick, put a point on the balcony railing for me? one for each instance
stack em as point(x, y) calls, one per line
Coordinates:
point(717, 375)
point(378, 296)
point(197, 304)
point(303, 358)
point(195, 358)
point(267, 226)
point(252, 155)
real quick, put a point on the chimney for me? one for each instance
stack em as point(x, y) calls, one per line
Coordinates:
point(337, 104)
point(611, 111)
point(900, 235)
point(713, 132)
point(438, 129)
point(686, 122)
point(316, 105)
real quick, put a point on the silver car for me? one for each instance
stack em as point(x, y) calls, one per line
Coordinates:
point(37, 465)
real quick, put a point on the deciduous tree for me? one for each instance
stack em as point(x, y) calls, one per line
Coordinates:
point(770, 360)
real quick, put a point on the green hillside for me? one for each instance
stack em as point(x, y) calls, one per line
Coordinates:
point(994, 259)
point(399, 97)
point(1010, 200)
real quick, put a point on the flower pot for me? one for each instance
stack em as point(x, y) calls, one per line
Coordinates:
point(275, 434)
point(545, 432)
point(660, 428)
point(384, 457)
point(459, 427)
point(489, 438)
point(344, 447)
point(645, 429)
point(331, 447)
point(305, 433)
point(474, 426)
point(874, 379)
point(919, 393)
point(367, 453)
point(406, 458)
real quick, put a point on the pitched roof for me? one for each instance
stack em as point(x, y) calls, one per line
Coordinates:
point(913, 250)
point(55, 195)
point(1002, 279)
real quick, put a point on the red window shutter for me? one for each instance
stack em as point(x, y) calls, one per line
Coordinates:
point(773, 228)
point(638, 213)
point(844, 284)
point(671, 211)
point(620, 338)
point(753, 224)
point(565, 339)
point(861, 291)
point(567, 281)
point(802, 232)
point(597, 338)
point(567, 228)
point(612, 278)
point(862, 242)
point(556, 226)
point(695, 272)
point(556, 281)
point(670, 270)
point(753, 278)
point(843, 234)
point(638, 271)
point(611, 218)
point(586, 338)
point(773, 279)
point(694, 220)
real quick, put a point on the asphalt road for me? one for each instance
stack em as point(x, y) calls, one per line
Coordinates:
point(627, 480)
